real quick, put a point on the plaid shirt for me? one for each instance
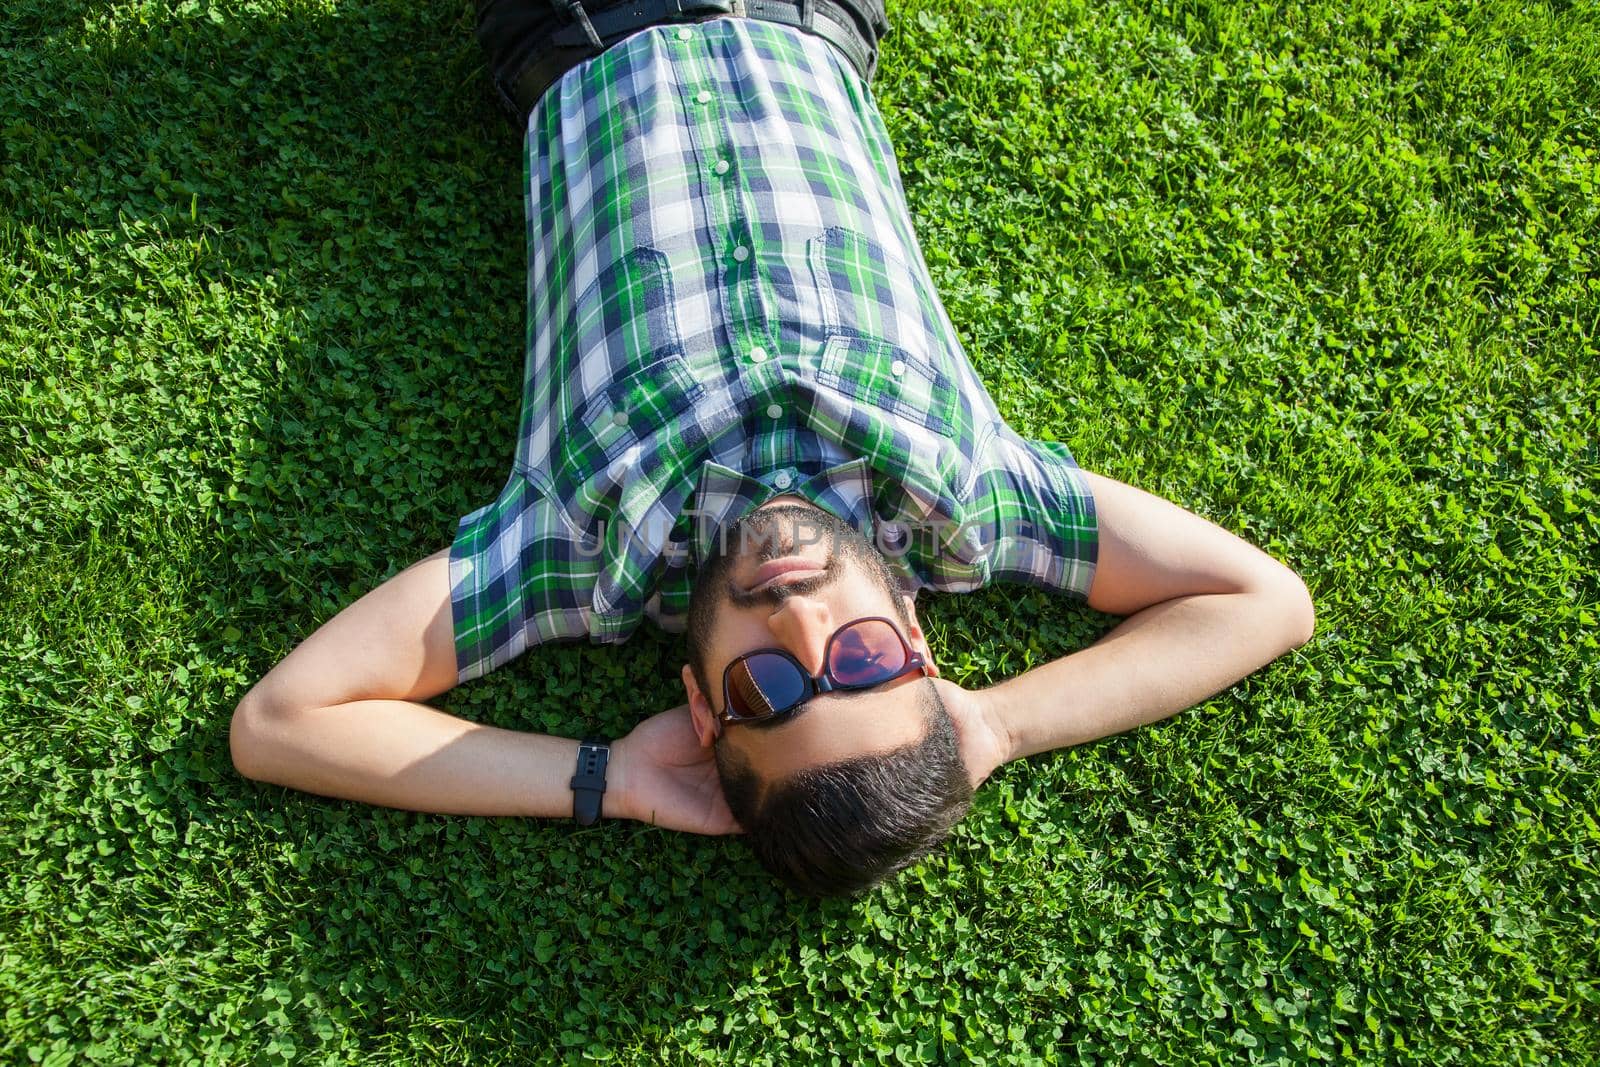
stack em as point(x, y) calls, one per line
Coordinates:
point(727, 302)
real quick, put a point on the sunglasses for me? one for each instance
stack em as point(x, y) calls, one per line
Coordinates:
point(769, 682)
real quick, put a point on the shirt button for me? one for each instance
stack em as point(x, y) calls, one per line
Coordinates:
point(782, 480)
point(704, 96)
point(684, 33)
point(620, 419)
point(774, 411)
point(722, 166)
point(758, 355)
point(741, 253)
point(897, 368)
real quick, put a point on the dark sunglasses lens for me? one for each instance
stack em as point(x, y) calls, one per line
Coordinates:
point(763, 684)
point(866, 653)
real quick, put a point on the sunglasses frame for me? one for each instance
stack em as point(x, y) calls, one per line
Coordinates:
point(818, 684)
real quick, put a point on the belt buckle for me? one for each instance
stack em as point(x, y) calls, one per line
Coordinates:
point(702, 12)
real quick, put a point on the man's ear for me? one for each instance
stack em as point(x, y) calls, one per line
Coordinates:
point(706, 726)
point(918, 639)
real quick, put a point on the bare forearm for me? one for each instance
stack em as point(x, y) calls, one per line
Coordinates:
point(1157, 662)
point(407, 755)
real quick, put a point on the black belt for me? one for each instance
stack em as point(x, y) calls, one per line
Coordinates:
point(588, 33)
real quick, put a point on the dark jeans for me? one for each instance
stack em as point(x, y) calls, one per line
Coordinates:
point(516, 35)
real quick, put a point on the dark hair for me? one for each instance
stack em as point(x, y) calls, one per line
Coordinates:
point(842, 828)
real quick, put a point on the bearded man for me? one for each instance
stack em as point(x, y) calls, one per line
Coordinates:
point(747, 416)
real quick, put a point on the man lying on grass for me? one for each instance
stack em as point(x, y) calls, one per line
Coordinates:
point(747, 415)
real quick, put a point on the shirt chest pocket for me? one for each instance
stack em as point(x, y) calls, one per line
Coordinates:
point(648, 403)
point(890, 379)
point(883, 345)
point(629, 389)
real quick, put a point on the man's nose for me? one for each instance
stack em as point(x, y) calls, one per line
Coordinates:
point(802, 626)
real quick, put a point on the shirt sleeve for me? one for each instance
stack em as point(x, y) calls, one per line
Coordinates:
point(1041, 515)
point(520, 575)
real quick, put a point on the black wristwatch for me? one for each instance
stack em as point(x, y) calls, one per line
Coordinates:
point(589, 783)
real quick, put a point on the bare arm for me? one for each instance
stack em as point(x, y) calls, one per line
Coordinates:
point(1204, 608)
point(342, 716)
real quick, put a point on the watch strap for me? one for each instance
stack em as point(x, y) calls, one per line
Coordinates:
point(589, 782)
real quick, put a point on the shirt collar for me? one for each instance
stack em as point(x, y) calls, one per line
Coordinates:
point(725, 495)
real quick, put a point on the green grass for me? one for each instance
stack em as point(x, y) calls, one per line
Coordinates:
point(1323, 272)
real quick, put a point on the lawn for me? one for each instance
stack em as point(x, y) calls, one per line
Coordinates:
point(1324, 272)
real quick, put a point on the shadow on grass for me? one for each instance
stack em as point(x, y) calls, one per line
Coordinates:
point(308, 231)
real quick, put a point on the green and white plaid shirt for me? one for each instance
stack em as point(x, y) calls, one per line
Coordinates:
point(727, 302)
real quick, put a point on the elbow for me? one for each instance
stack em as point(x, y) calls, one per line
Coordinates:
point(1299, 613)
point(1284, 606)
point(251, 733)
